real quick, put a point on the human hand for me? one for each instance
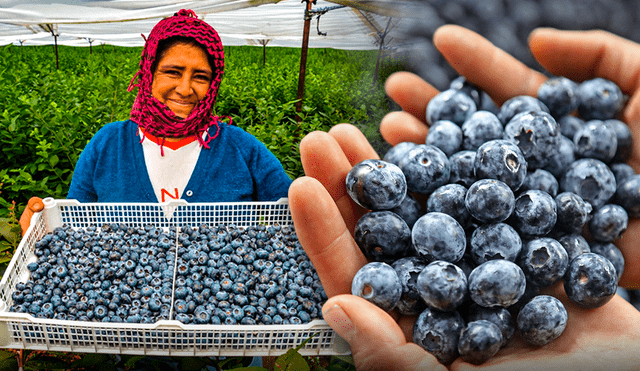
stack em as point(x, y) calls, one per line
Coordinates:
point(34, 205)
point(324, 214)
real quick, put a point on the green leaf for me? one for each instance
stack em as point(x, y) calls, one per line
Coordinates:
point(53, 160)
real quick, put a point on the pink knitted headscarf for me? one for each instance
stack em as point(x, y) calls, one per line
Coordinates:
point(155, 117)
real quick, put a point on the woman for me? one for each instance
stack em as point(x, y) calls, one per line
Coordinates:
point(173, 146)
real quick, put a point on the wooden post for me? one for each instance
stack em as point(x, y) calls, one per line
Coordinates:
point(55, 38)
point(303, 58)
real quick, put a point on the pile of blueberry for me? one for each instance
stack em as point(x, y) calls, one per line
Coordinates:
point(499, 202)
point(219, 274)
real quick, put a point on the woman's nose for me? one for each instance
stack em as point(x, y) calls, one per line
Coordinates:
point(184, 85)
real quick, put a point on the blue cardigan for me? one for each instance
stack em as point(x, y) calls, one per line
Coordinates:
point(236, 167)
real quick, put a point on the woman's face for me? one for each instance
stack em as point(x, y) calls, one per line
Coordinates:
point(182, 78)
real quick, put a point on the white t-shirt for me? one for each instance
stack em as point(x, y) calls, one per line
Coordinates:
point(171, 166)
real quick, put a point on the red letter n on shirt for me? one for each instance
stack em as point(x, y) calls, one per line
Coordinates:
point(164, 192)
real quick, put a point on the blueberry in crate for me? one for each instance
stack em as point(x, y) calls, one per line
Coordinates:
point(378, 283)
point(534, 214)
point(376, 184)
point(591, 179)
point(500, 316)
point(612, 253)
point(490, 200)
point(408, 269)
point(599, 99)
point(595, 139)
point(608, 223)
point(518, 104)
point(536, 133)
point(543, 261)
point(494, 241)
point(383, 236)
point(481, 127)
point(559, 94)
point(591, 280)
point(449, 199)
point(542, 320)
point(442, 285)
point(496, 282)
point(438, 236)
point(502, 160)
point(451, 104)
point(438, 333)
point(425, 168)
point(445, 135)
point(479, 341)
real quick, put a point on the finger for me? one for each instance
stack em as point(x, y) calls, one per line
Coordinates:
point(323, 159)
point(397, 127)
point(34, 205)
point(377, 343)
point(324, 235)
point(628, 245)
point(411, 92)
point(354, 144)
point(483, 64)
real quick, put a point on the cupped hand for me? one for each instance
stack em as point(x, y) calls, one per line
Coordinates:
point(325, 216)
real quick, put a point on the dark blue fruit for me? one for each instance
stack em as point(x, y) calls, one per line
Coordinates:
point(490, 200)
point(624, 139)
point(376, 184)
point(569, 124)
point(612, 253)
point(445, 135)
point(408, 269)
point(438, 333)
point(496, 283)
point(590, 179)
point(518, 104)
point(494, 241)
point(542, 320)
point(595, 139)
point(462, 168)
point(500, 316)
point(574, 245)
point(534, 214)
point(536, 133)
point(449, 199)
point(479, 341)
point(442, 285)
point(608, 223)
point(425, 168)
point(383, 236)
point(628, 195)
point(502, 160)
point(438, 236)
point(481, 127)
point(451, 104)
point(543, 261)
point(397, 152)
point(541, 180)
point(573, 212)
point(599, 99)
point(590, 280)
point(378, 283)
point(559, 161)
point(409, 210)
point(559, 94)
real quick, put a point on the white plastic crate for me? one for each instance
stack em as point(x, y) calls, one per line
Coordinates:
point(165, 337)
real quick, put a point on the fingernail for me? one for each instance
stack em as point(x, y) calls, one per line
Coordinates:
point(340, 322)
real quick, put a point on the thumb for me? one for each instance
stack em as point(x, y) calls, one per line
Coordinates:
point(33, 206)
point(376, 340)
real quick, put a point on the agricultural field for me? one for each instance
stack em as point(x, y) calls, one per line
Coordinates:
point(49, 113)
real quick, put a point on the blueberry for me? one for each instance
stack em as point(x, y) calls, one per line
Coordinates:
point(497, 282)
point(397, 152)
point(541, 320)
point(409, 210)
point(445, 135)
point(574, 245)
point(543, 261)
point(481, 127)
point(622, 171)
point(438, 236)
point(462, 84)
point(599, 99)
point(502, 160)
point(521, 103)
point(451, 104)
point(500, 316)
point(383, 236)
point(479, 341)
point(590, 179)
point(408, 269)
point(450, 199)
point(591, 280)
point(438, 333)
point(442, 285)
point(462, 168)
point(608, 223)
point(534, 214)
point(425, 168)
point(490, 200)
point(542, 180)
point(559, 94)
point(595, 139)
point(376, 184)
point(573, 212)
point(569, 125)
point(494, 241)
point(378, 283)
point(559, 161)
point(628, 195)
point(612, 253)
point(536, 133)
point(624, 139)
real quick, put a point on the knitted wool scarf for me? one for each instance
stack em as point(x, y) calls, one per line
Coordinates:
point(155, 117)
